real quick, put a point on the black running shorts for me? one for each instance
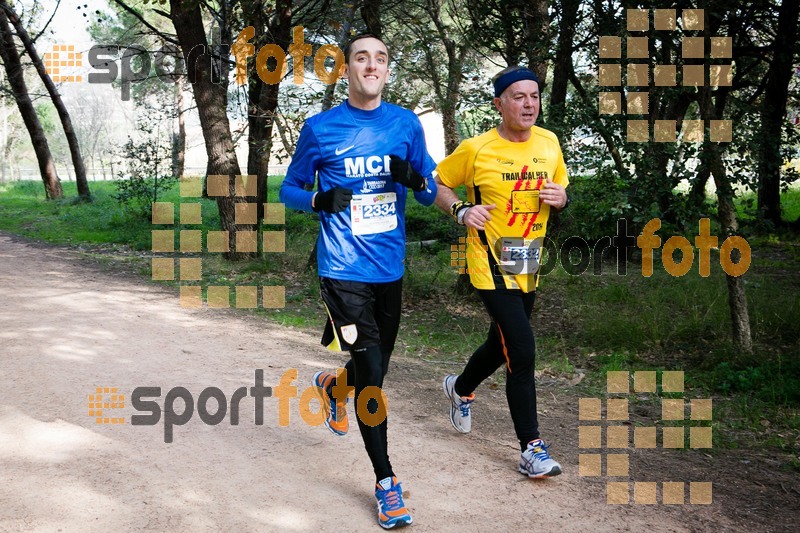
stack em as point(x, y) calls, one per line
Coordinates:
point(361, 315)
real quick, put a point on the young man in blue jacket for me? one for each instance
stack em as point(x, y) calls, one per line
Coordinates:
point(367, 153)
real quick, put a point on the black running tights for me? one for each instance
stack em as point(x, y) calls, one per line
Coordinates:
point(510, 342)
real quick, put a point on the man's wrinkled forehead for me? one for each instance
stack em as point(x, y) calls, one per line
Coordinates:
point(524, 87)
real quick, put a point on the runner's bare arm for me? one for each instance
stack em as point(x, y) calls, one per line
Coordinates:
point(475, 217)
point(444, 196)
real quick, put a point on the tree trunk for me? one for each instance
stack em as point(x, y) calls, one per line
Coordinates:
point(179, 137)
point(697, 194)
point(63, 114)
point(562, 66)
point(6, 155)
point(212, 105)
point(7, 145)
point(371, 13)
point(263, 102)
point(451, 137)
point(537, 37)
point(455, 66)
point(16, 79)
point(666, 184)
point(737, 299)
point(447, 100)
point(342, 38)
point(773, 111)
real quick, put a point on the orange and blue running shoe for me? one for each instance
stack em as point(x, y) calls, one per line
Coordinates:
point(335, 410)
point(392, 511)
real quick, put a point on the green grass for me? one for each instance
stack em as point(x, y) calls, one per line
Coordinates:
point(790, 205)
point(594, 323)
point(24, 211)
point(687, 320)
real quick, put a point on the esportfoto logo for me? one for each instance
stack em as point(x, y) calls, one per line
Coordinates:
point(617, 443)
point(213, 405)
point(640, 75)
point(134, 63)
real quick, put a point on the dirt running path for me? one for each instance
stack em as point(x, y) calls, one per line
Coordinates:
point(67, 327)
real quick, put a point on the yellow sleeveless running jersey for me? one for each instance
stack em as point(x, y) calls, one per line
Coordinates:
point(508, 174)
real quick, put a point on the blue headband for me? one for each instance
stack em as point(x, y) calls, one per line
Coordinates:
point(522, 73)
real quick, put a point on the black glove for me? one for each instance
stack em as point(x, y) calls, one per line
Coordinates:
point(333, 200)
point(403, 174)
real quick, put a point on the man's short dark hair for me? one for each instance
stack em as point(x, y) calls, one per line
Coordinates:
point(349, 47)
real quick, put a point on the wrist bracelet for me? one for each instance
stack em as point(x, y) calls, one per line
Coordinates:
point(462, 213)
point(457, 206)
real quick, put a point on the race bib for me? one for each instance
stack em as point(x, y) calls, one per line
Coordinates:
point(519, 256)
point(373, 213)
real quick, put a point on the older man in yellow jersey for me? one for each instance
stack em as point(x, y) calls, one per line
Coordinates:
point(514, 176)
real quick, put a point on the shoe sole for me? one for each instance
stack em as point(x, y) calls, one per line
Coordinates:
point(555, 471)
point(453, 408)
point(399, 523)
point(325, 401)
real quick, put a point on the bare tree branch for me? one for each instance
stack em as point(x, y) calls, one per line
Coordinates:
point(36, 37)
point(141, 19)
